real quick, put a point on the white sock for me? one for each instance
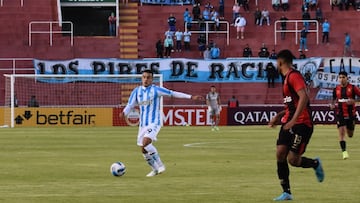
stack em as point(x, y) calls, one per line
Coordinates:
point(152, 151)
point(149, 159)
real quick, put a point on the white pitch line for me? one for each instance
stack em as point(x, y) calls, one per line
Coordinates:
point(199, 144)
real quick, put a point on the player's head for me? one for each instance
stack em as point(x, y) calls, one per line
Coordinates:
point(212, 88)
point(284, 60)
point(147, 77)
point(343, 78)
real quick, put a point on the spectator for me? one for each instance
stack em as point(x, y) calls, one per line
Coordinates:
point(215, 52)
point(178, 36)
point(271, 74)
point(325, 30)
point(233, 102)
point(306, 17)
point(159, 49)
point(217, 23)
point(201, 21)
point(207, 55)
point(319, 15)
point(206, 14)
point(276, 5)
point(303, 39)
point(196, 11)
point(188, 22)
point(273, 55)
point(172, 23)
point(302, 55)
point(283, 26)
point(247, 52)
point(313, 4)
point(245, 4)
point(285, 5)
point(168, 44)
point(240, 24)
point(236, 11)
point(334, 3)
point(257, 16)
point(201, 44)
point(265, 15)
point(187, 37)
point(112, 24)
point(347, 45)
point(304, 7)
point(186, 13)
point(264, 53)
point(222, 9)
point(33, 102)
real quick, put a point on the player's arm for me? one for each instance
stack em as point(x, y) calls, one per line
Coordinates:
point(303, 100)
point(333, 101)
point(131, 103)
point(276, 120)
point(166, 92)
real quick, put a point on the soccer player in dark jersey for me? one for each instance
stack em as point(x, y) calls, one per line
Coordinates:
point(344, 96)
point(296, 126)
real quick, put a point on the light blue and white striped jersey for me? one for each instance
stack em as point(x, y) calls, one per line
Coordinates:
point(148, 100)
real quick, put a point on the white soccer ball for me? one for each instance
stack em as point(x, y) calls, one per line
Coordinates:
point(117, 169)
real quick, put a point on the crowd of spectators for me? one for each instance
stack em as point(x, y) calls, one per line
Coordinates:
point(197, 18)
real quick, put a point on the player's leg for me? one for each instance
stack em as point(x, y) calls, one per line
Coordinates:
point(283, 172)
point(145, 139)
point(341, 124)
point(300, 136)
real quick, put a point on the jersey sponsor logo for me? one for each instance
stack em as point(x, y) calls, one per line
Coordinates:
point(287, 99)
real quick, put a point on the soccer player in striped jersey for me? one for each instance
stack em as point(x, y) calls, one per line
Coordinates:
point(147, 97)
point(296, 126)
point(344, 96)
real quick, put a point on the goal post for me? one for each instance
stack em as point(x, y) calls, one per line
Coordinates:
point(29, 94)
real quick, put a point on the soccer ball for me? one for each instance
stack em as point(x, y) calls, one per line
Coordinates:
point(117, 169)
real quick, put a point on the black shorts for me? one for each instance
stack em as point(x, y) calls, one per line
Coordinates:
point(348, 122)
point(296, 139)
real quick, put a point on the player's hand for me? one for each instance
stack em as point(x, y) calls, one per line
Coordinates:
point(289, 125)
point(274, 122)
point(197, 97)
point(332, 106)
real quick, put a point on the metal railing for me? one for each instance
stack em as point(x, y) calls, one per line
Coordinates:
point(297, 28)
point(50, 31)
point(208, 31)
point(14, 62)
point(21, 2)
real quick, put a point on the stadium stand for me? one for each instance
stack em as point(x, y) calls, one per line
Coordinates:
point(142, 25)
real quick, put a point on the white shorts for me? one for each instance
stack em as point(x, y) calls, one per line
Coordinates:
point(150, 131)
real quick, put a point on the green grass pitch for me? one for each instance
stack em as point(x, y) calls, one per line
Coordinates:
point(236, 164)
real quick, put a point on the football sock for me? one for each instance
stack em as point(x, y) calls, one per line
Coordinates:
point(152, 151)
point(343, 145)
point(283, 174)
point(149, 159)
point(308, 163)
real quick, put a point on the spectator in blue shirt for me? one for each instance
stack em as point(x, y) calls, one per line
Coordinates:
point(215, 52)
point(347, 45)
point(326, 30)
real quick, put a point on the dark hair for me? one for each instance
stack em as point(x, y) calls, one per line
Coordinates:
point(343, 73)
point(286, 55)
point(148, 71)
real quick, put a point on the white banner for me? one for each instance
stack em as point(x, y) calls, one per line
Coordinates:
point(178, 69)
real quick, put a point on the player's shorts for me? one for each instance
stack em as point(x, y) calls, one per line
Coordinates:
point(214, 110)
point(348, 122)
point(150, 131)
point(296, 138)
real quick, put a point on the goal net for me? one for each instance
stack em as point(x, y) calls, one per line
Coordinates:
point(69, 100)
